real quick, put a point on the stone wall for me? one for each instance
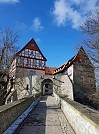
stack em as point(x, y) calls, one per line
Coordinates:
point(84, 82)
point(61, 85)
point(82, 119)
point(10, 112)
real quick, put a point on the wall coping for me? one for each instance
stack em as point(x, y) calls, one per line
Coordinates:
point(10, 112)
point(89, 114)
point(14, 103)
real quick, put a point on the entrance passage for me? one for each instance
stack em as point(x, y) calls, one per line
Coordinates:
point(47, 87)
point(46, 118)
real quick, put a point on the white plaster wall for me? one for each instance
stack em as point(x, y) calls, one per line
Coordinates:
point(26, 72)
point(69, 72)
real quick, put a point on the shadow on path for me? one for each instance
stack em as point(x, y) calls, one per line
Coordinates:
point(35, 121)
point(46, 118)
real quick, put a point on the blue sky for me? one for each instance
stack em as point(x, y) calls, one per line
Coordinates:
point(54, 24)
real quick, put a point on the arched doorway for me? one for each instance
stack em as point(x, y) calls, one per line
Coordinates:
point(47, 87)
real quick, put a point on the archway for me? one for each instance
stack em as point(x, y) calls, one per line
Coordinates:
point(47, 87)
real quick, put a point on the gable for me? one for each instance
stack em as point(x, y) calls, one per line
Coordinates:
point(31, 57)
point(82, 57)
point(31, 50)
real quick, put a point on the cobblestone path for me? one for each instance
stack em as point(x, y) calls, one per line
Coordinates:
point(46, 118)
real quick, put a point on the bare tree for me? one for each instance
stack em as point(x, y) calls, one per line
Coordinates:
point(90, 42)
point(91, 39)
point(8, 48)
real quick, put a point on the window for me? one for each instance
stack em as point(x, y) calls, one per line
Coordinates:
point(25, 61)
point(32, 45)
point(37, 54)
point(29, 61)
point(34, 63)
point(40, 57)
point(40, 63)
point(26, 52)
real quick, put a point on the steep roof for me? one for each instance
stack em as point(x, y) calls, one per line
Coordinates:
point(80, 54)
point(64, 66)
point(32, 46)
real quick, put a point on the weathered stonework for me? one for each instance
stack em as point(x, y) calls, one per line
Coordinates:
point(60, 83)
point(82, 119)
point(83, 81)
point(81, 72)
point(10, 112)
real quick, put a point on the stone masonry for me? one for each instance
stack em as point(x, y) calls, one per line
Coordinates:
point(61, 84)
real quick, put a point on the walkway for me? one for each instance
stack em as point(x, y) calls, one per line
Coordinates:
point(46, 118)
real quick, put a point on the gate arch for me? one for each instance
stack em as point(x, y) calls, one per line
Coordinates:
point(47, 87)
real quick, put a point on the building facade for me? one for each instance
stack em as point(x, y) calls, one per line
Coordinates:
point(29, 61)
point(29, 66)
point(81, 72)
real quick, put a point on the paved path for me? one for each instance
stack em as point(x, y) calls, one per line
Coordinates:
point(46, 118)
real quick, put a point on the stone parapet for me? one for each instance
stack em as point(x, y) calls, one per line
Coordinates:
point(10, 112)
point(82, 119)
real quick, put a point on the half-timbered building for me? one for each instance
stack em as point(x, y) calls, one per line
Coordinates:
point(29, 61)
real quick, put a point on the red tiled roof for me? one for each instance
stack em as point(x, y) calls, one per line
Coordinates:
point(64, 66)
point(49, 70)
point(52, 70)
point(71, 61)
